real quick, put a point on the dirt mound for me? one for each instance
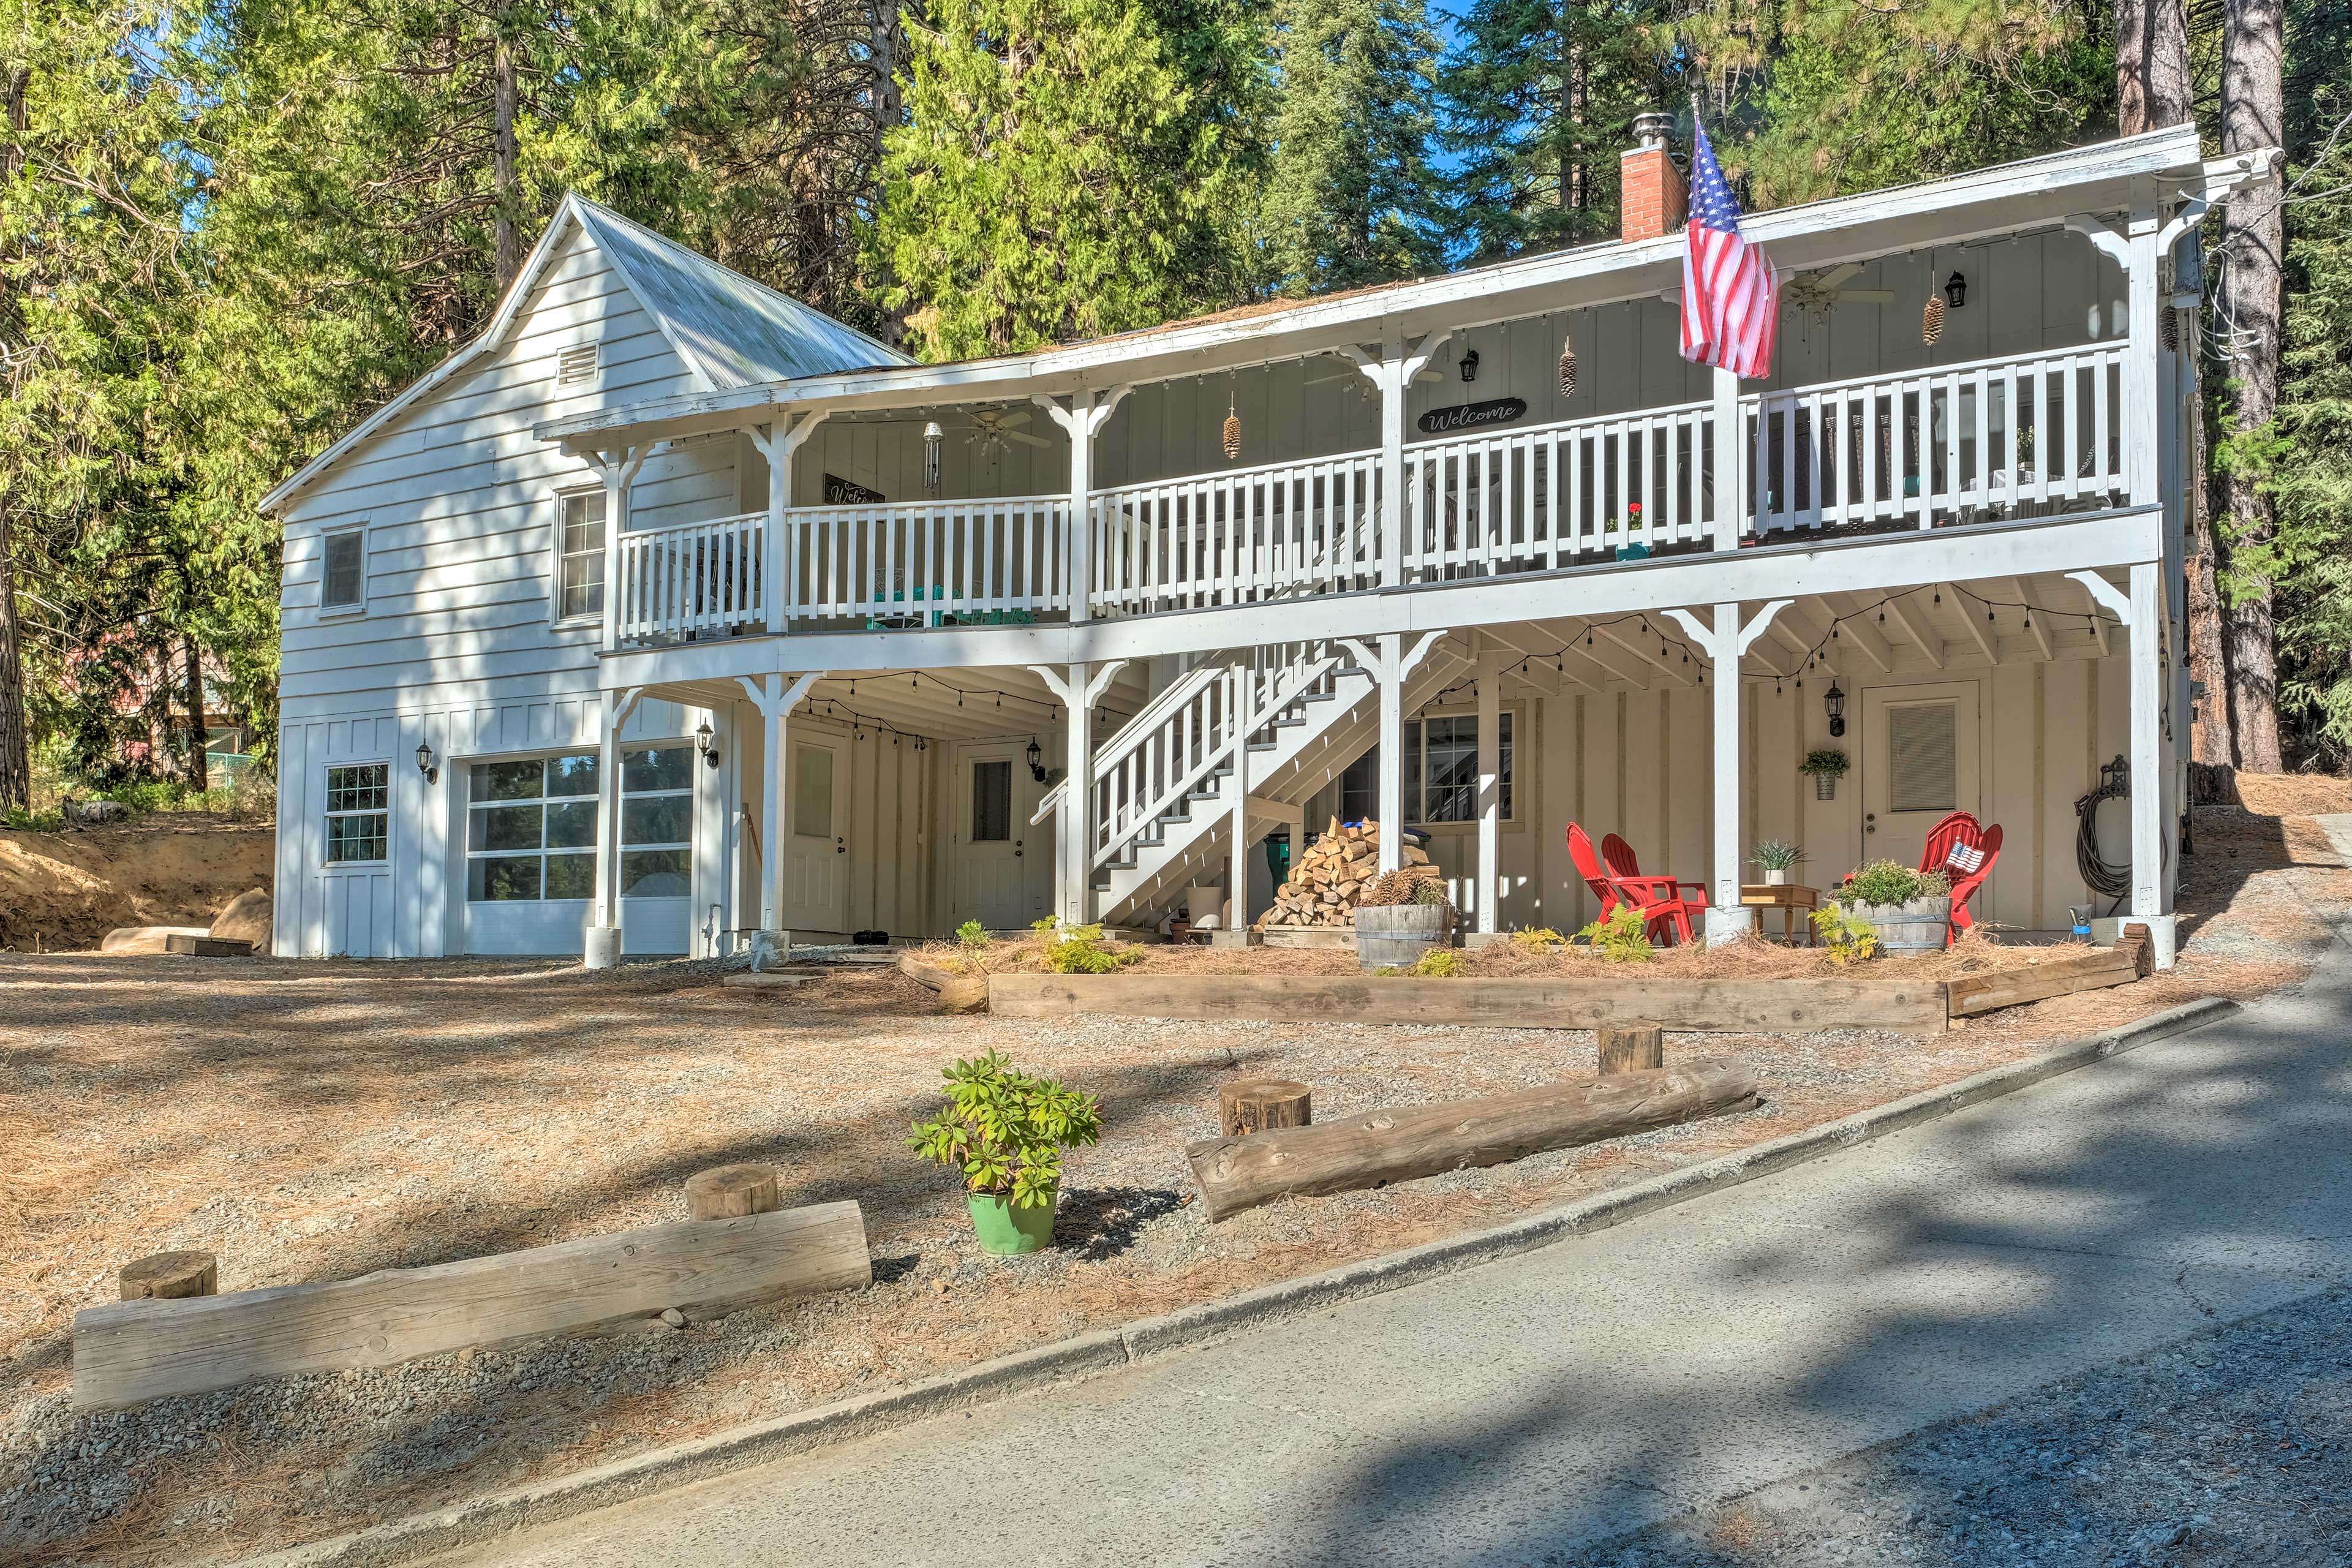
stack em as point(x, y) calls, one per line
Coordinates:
point(63, 892)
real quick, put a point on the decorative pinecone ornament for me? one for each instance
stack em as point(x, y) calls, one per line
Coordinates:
point(1931, 320)
point(1567, 367)
point(1233, 430)
point(2170, 332)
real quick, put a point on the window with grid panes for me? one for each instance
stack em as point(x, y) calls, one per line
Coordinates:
point(580, 564)
point(359, 812)
point(531, 828)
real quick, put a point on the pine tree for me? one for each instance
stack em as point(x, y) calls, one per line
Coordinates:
point(1070, 168)
point(1352, 198)
point(1538, 98)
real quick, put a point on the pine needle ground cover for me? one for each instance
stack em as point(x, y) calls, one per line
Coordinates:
point(317, 1121)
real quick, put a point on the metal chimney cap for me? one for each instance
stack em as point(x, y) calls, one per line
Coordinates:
point(1651, 128)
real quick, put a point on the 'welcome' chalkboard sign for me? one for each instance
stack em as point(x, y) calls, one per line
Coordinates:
point(1472, 415)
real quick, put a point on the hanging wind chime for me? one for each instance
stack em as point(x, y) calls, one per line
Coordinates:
point(1567, 366)
point(1233, 425)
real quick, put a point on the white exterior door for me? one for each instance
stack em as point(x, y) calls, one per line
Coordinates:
point(1004, 865)
point(1920, 759)
point(816, 844)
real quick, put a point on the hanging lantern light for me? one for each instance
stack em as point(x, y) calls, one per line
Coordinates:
point(1232, 428)
point(1567, 366)
point(1036, 757)
point(1931, 320)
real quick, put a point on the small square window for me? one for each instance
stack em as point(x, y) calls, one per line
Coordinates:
point(344, 573)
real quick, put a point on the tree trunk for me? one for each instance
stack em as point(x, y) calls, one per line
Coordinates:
point(2253, 244)
point(1572, 191)
point(15, 741)
point(2213, 740)
point(2152, 85)
point(502, 156)
point(199, 732)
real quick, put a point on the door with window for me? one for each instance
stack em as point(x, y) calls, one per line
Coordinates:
point(1003, 864)
point(1920, 753)
point(816, 836)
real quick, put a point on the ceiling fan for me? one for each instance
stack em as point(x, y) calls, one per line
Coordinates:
point(1815, 292)
point(989, 429)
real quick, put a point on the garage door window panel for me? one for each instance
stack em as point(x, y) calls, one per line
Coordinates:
point(657, 822)
point(519, 810)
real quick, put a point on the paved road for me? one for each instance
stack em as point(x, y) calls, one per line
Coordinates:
point(1518, 1412)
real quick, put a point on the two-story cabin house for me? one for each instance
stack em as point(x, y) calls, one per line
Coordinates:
point(670, 611)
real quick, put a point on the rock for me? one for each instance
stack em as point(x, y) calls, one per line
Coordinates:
point(673, 1317)
point(128, 940)
point(247, 918)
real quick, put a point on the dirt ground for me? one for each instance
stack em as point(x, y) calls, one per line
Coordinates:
point(63, 892)
point(317, 1120)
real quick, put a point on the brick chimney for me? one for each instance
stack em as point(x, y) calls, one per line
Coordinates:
point(1652, 193)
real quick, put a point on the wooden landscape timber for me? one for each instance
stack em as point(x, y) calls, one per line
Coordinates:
point(169, 1277)
point(126, 1354)
point(2090, 969)
point(957, 993)
point(1631, 1047)
point(207, 946)
point(730, 1192)
point(1250, 1105)
point(1374, 1148)
point(1681, 1005)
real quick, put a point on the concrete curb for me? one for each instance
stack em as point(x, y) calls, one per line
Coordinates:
point(1108, 1350)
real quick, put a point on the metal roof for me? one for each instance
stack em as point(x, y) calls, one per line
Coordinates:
point(731, 331)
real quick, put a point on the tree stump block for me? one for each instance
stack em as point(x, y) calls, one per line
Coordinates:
point(731, 1191)
point(169, 1277)
point(1629, 1047)
point(1260, 1104)
point(2140, 943)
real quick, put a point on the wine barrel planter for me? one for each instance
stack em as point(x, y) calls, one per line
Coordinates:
point(1399, 934)
point(1910, 928)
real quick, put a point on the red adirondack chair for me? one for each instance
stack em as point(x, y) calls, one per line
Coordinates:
point(1615, 877)
point(1964, 849)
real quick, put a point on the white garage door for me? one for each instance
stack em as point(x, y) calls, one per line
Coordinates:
point(531, 851)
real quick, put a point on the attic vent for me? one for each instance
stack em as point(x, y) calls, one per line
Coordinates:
point(575, 364)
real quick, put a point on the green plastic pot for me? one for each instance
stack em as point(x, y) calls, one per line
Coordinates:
point(1008, 1230)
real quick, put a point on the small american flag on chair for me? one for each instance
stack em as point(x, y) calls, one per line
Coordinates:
point(1731, 302)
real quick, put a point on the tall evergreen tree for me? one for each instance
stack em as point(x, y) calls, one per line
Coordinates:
point(1539, 98)
point(1352, 198)
point(1070, 168)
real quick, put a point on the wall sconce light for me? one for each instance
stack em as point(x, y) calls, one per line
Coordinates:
point(932, 435)
point(424, 763)
point(1956, 289)
point(1036, 761)
point(1834, 700)
point(702, 736)
point(1470, 365)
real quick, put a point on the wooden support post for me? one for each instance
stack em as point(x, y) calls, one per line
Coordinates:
point(731, 1191)
point(169, 1277)
point(1490, 788)
point(1726, 641)
point(1250, 1105)
point(780, 554)
point(1391, 369)
point(1390, 661)
point(1245, 718)
point(1630, 1047)
point(603, 938)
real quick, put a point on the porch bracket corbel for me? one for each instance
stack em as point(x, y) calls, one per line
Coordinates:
point(624, 703)
point(785, 435)
point(795, 688)
point(2115, 600)
point(2102, 235)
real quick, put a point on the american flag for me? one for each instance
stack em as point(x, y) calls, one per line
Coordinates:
point(1731, 303)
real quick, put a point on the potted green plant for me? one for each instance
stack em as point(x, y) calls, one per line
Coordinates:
point(1776, 857)
point(1004, 1131)
point(1908, 910)
point(1827, 765)
point(1637, 549)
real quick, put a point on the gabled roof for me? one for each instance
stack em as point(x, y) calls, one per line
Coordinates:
point(730, 331)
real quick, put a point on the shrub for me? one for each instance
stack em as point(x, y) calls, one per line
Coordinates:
point(1537, 940)
point(1848, 937)
point(971, 933)
point(1440, 963)
point(1827, 760)
point(1005, 1131)
point(1620, 938)
point(1429, 892)
point(1892, 882)
point(1078, 950)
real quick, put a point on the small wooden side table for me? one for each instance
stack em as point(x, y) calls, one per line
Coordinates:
point(1788, 898)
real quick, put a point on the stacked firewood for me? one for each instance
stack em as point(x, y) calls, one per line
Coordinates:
point(1328, 881)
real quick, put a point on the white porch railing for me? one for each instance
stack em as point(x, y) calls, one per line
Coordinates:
point(968, 559)
point(1526, 499)
point(1938, 445)
point(697, 578)
point(1960, 443)
point(1186, 732)
point(1255, 534)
